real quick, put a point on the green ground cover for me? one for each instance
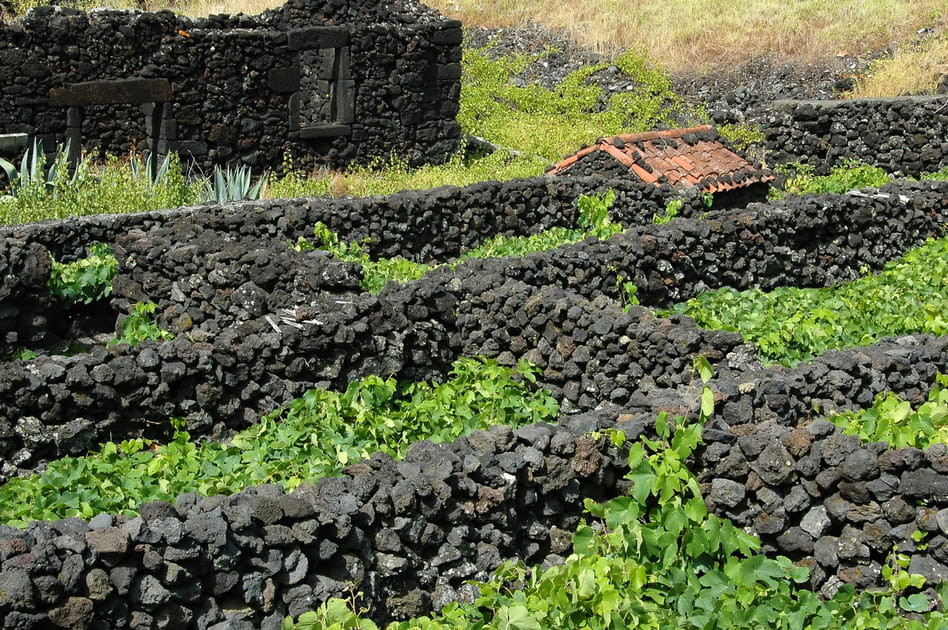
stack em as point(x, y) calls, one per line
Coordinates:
point(312, 437)
point(790, 325)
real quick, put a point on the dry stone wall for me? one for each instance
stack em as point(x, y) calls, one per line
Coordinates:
point(429, 226)
point(905, 135)
point(409, 534)
point(256, 324)
point(259, 323)
point(327, 82)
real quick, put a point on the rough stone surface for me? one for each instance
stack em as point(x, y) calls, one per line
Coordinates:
point(410, 534)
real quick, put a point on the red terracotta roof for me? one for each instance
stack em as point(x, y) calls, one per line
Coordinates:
point(691, 156)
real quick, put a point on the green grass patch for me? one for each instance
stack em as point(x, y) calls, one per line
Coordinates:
point(314, 436)
point(552, 123)
point(384, 177)
point(791, 325)
point(593, 221)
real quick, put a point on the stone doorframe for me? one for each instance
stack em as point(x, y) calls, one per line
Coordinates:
point(152, 94)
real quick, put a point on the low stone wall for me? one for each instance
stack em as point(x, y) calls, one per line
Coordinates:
point(424, 225)
point(810, 241)
point(904, 135)
point(250, 339)
point(409, 534)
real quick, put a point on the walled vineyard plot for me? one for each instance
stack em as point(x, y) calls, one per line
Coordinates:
point(255, 323)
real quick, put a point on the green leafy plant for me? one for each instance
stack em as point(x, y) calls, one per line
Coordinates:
point(671, 212)
point(32, 172)
point(232, 184)
point(594, 214)
point(86, 280)
point(138, 326)
point(658, 559)
point(790, 325)
point(741, 135)
point(847, 175)
point(314, 436)
point(23, 354)
point(892, 419)
point(113, 186)
point(628, 292)
point(939, 175)
point(150, 172)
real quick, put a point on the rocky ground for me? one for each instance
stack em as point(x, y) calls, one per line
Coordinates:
point(730, 95)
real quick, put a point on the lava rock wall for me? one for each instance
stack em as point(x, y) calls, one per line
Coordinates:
point(255, 323)
point(325, 82)
point(408, 534)
point(904, 135)
point(426, 226)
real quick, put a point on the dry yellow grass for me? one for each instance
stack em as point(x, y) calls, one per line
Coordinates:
point(698, 34)
point(911, 70)
point(692, 35)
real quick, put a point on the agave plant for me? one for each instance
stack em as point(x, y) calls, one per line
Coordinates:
point(232, 184)
point(147, 171)
point(32, 171)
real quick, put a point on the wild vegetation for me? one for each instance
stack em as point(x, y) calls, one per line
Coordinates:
point(85, 280)
point(701, 34)
point(685, 36)
point(914, 68)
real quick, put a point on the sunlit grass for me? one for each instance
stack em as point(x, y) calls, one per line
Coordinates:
point(393, 175)
point(700, 34)
point(683, 36)
point(913, 69)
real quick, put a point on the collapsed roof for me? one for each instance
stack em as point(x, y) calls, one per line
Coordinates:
point(691, 156)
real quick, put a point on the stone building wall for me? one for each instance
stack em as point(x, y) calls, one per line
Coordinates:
point(328, 83)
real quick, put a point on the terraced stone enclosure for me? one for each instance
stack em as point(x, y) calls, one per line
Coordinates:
point(256, 323)
point(253, 323)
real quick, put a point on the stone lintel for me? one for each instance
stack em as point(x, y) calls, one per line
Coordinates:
point(118, 91)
